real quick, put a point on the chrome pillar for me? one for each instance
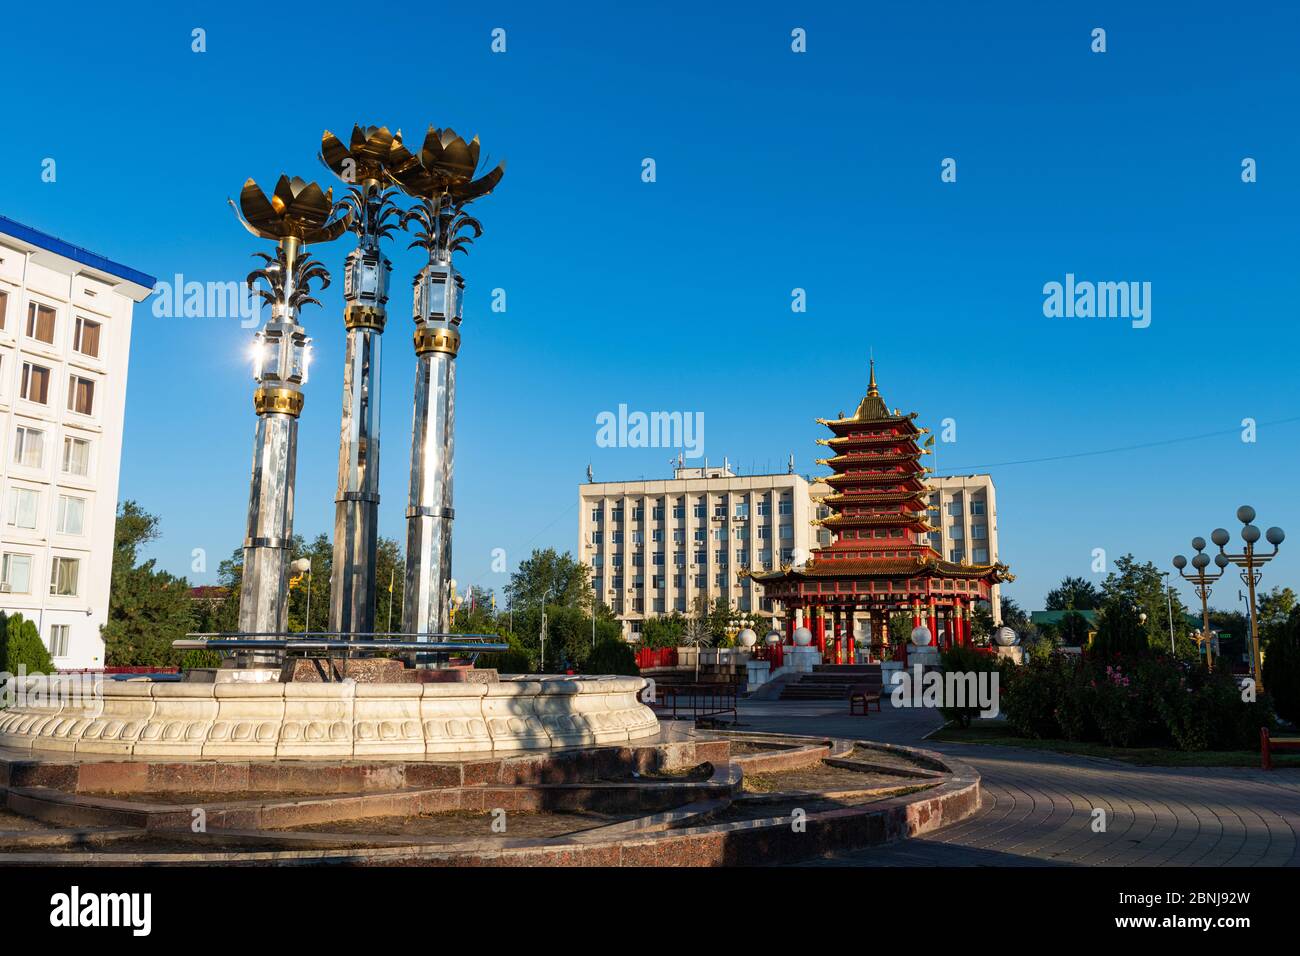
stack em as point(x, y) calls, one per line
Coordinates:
point(356, 508)
point(429, 513)
point(280, 369)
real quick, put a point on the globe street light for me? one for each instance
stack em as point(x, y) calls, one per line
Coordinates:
point(1250, 563)
point(1201, 582)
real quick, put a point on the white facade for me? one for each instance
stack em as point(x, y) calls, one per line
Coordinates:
point(655, 547)
point(65, 335)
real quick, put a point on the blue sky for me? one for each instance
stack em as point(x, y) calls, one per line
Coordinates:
point(775, 170)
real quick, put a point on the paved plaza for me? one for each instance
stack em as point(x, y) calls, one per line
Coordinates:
point(1039, 807)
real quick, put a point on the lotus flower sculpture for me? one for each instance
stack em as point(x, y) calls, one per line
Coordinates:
point(367, 157)
point(444, 167)
point(297, 210)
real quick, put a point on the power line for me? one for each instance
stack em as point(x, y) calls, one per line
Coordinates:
point(1123, 448)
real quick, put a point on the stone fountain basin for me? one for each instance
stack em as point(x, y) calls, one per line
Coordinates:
point(149, 719)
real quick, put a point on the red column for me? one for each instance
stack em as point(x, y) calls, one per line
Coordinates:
point(934, 621)
point(851, 655)
point(820, 631)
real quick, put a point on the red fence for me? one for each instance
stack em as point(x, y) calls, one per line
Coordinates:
point(656, 657)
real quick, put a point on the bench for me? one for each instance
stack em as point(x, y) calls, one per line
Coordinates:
point(861, 698)
point(1267, 745)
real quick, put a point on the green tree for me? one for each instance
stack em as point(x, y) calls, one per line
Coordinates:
point(21, 647)
point(1273, 609)
point(1282, 668)
point(1073, 594)
point(147, 608)
point(668, 631)
point(1072, 629)
point(321, 554)
point(390, 571)
point(1134, 589)
point(558, 577)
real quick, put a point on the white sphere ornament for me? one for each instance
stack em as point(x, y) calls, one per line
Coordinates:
point(802, 637)
point(1005, 637)
point(773, 639)
point(747, 638)
point(921, 636)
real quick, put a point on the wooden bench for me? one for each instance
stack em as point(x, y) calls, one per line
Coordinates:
point(1267, 745)
point(861, 698)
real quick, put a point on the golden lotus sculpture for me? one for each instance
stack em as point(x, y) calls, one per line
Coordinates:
point(444, 167)
point(368, 155)
point(297, 210)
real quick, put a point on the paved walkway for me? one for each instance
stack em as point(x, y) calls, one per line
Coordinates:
point(1039, 807)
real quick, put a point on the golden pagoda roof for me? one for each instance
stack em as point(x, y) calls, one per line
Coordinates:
point(872, 459)
point(872, 408)
point(875, 478)
point(875, 498)
point(865, 568)
point(897, 519)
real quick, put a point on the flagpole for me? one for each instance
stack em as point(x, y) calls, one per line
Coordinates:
point(392, 576)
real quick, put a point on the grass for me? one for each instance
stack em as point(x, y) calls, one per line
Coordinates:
point(997, 733)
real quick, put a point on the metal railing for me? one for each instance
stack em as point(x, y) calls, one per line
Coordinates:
point(695, 700)
point(334, 643)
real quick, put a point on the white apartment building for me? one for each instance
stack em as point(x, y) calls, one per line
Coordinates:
point(655, 546)
point(965, 510)
point(65, 334)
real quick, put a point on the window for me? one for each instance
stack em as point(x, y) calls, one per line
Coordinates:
point(59, 640)
point(4, 307)
point(954, 508)
point(658, 558)
point(981, 555)
point(979, 531)
point(29, 447)
point(23, 505)
point(40, 323)
point(785, 508)
point(595, 514)
point(656, 534)
point(700, 557)
point(679, 558)
point(657, 513)
point(764, 531)
point(81, 395)
point(86, 337)
point(742, 557)
point(977, 509)
point(787, 532)
point(699, 534)
point(35, 385)
point(679, 511)
point(63, 577)
point(956, 532)
point(956, 554)
point(762, 508)
point(638, 513)
point(720, 511)
point(76, 456)
point(742, 511)
point(679, 535)
point(617, 514)
point(16, 573)
point(72, 515)
point(616, 537)
point(595, 535)
point(720, 557)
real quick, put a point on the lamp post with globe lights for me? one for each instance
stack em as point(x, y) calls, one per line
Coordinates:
point(1250, 561)
point(1202, 583)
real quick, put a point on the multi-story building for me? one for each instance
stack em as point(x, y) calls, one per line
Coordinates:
point(964, 508)
point(655, 547)
point(65, 332)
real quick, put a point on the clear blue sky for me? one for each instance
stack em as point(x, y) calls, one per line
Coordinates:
point(775, 171)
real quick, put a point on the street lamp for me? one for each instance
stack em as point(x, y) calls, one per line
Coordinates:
point(1250, 563)
point(1201, 582)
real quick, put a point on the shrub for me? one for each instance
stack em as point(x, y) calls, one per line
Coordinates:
point(22, 647)
point(966, 660)
point(612, 657)
point(516, 660)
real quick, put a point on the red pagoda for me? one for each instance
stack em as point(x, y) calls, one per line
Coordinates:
point(880, 561)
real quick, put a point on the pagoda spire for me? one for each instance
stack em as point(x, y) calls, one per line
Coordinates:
point(871, 386)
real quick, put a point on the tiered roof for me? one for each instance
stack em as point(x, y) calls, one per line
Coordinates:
point(878, 510)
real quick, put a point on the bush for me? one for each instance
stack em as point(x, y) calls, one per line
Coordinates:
point(516, 660)
point(612, 657)
point(1132, 701)
point(22, 647)
point(1282, 668)
point(965, 660)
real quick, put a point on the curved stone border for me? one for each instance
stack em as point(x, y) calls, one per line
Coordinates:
point(142, 719)
point(681, 837)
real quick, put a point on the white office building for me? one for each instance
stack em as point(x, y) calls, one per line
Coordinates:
point(655, 547)
point(65, 335)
